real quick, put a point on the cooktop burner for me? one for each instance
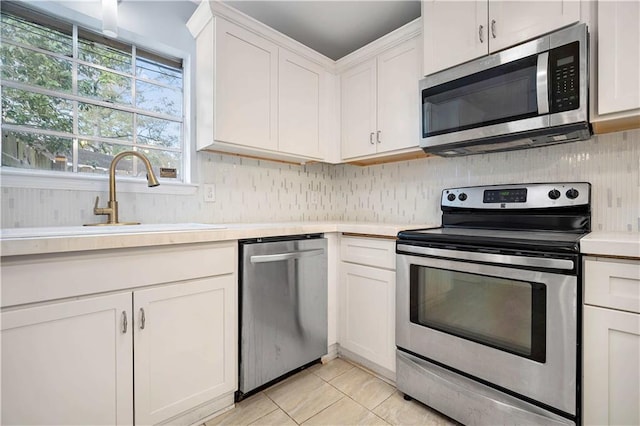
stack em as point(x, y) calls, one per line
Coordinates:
point(531, 240)
point(551, 216)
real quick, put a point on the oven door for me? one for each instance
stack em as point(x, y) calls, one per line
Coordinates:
point(512, 328)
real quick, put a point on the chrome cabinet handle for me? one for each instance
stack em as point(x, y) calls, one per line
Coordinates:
point(378, 136)
point(481, 33)
point(493, 28)
point(124, 322)
point(143, 319)
point(371, 138)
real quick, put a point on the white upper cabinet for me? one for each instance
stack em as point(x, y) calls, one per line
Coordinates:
point(618, 56)
point(359, 110)
point(245, 87)
point(512, 22)
point(398, 97)
point(380, 102)
point(454, 32)
point(301, 101)
point(255, 97)
point(457, 32)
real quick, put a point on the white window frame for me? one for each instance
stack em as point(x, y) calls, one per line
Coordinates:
point(42, 179)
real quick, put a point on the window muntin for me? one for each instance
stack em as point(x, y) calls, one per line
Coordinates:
point(72, 99)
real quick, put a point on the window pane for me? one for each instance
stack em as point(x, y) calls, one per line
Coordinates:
point(21, 31)
point(95, 157)
point(32, 151)
point(165, 159)
point(155, 131)
point(36, 69)
point(161, 73)
point(36, 52)
point(159, 99)
point(103, 85)
point(35, 110)
point(95, 120)
point(106, 56)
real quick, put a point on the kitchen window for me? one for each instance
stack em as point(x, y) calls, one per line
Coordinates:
point(72, 99)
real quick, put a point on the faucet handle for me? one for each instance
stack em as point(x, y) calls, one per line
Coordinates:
point(99, 210)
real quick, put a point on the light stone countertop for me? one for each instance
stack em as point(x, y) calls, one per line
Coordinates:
point(32, 241)
point(619, 244)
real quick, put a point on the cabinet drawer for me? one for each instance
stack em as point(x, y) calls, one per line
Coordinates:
point(612, 284)
point(31, 279)
point(376, 252)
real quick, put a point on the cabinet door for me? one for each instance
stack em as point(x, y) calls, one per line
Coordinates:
point(185, 346)
point(618, 56)
point(68, 363)
point(611, 367)
point(367, 313)
point(512, 22)
point(454, 32)
point(246, 79)
point(300, 103)
point(398, 97)
point(359, 110)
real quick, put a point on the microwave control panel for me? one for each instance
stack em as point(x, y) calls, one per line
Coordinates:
point(564, 74)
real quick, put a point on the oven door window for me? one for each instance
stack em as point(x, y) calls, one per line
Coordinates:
point(498, 95)
point(506, 314)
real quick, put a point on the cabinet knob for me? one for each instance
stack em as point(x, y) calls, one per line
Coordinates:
point(493, 28)
point(481, 33)
point(378, 136)
point(371, 138)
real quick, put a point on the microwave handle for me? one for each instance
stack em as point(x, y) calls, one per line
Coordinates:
point(542, 83)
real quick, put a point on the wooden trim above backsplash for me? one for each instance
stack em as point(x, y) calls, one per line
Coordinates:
point(616, 125)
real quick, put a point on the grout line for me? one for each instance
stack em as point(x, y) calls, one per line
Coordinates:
point(324, 409)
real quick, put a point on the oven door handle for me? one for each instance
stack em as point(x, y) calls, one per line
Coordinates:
point(505, 259)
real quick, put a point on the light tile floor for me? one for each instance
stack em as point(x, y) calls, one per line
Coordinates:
point(336, 393)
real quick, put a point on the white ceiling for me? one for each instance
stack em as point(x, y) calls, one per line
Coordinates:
point(334, 28)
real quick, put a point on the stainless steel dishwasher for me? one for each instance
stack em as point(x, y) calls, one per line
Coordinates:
point(283, 307)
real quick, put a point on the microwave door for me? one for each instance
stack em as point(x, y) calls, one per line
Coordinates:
point(502, 94)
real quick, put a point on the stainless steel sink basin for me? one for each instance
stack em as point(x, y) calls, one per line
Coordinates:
point(72, 231)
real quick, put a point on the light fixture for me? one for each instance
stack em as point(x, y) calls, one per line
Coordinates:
point(110, 18)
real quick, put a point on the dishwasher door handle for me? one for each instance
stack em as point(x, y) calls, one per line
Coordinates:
point(265, 258)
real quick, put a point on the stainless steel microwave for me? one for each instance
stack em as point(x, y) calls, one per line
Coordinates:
point(527, 96)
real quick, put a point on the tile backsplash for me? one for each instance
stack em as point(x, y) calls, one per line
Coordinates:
point(249, 190)
point(410, 191)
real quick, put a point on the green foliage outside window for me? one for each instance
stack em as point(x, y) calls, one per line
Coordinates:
point(73, 111)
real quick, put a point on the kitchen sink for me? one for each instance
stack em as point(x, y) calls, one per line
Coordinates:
point(71, 231)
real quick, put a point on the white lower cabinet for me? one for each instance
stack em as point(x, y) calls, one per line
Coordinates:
point(162, 352)
point(184, 346)
point(611, 349)
point(367, 302)
point(68, 363)
point(611, 367)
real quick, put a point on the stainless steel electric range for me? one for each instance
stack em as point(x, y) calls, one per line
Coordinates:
point(487, 306)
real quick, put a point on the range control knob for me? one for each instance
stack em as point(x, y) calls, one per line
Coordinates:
point(462, 196)
point(554, 194)
point(451, 197)
point(572, 193)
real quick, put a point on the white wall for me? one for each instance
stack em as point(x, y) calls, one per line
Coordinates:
point(407, 192)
